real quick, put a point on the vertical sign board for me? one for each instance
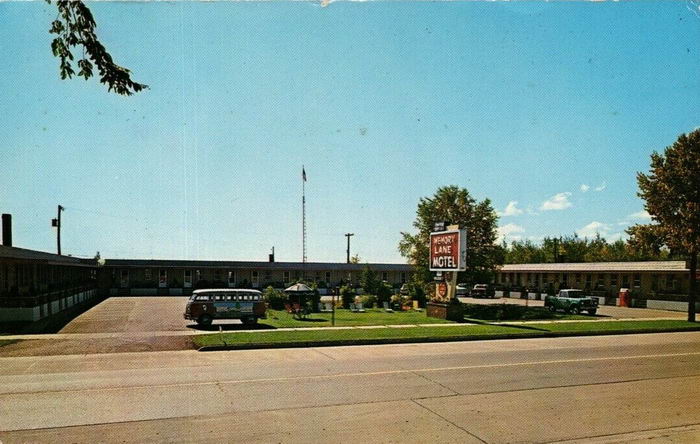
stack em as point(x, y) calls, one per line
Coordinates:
point(448, 253)
point(448, 250)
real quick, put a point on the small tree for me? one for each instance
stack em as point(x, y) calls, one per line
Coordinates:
point(347, 295)
point(276, 299)
point(368, 280)
point(384, 292)
point(671, 192)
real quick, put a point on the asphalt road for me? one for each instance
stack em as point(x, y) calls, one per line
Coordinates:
point(613, 388)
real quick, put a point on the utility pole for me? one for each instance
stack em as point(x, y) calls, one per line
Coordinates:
point(57, 223)
point(348, 236)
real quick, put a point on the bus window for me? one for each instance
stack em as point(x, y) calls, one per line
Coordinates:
point(228, 298)
point(202, 298)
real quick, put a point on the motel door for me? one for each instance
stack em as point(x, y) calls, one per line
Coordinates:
point(162, 278)
point(188, 279)
point(231, 279)
point(124, 279)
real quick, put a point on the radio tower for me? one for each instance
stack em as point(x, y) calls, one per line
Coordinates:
point(303, 214)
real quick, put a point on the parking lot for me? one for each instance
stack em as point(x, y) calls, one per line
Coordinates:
point(138, 314)
point(603, 310)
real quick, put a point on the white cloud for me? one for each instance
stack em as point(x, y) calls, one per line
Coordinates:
point(640, 215)
point(559, 201)
point(508, 231)
point(594, 228)
point(511, 209)
point(601, 187)
point(584, 188)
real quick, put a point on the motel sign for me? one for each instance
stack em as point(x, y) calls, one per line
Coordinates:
point(448, 250)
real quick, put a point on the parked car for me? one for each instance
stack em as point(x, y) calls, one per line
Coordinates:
point(572, 301)
point(482, 291)
point(462, 290)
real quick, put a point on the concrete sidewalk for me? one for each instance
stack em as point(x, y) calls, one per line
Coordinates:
point(148, 334)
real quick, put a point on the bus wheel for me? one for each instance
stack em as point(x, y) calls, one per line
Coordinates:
point(205, 319)
point(249, 321)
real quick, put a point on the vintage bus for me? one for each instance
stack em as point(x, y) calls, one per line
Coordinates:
point(204, 306)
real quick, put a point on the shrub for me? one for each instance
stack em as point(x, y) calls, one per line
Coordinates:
point(505, 312)
point(275, 299)
point(384, 292)
point(368, 300)
point(347, 295)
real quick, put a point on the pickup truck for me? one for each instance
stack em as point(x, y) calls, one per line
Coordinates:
point(572, 301)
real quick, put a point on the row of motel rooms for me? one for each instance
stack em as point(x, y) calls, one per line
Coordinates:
point(671, 277)
point(131, 273)
point(22, 269)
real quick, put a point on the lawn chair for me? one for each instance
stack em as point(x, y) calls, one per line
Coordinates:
point(327, 307)
point(386, 308)
point(360, 308)
point(288, 308)
point(353, 308)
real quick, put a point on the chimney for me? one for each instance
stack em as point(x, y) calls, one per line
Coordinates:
point(7, 230)
point(271, 257)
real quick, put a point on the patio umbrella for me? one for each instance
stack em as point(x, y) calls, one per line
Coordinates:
point(299, 291)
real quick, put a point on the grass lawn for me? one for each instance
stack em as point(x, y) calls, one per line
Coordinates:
point(273, 338)
point(346, 318)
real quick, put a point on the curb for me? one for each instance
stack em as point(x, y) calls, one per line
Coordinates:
point(465, 338)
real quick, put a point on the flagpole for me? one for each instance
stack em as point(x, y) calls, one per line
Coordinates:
point(303, 215)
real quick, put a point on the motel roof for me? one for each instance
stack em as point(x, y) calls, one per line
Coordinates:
point(16, 253)
point(582, 267)
point(260, 265)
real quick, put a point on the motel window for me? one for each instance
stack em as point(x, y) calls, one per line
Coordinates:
point(625, 281)
point(578, 279)
point(403, 277)
point(637, 280)
point(601, 280)
point(286, 276)
point(255, 275)
point(147, 274)
point(670, 282)
point(328, 278)
point(217, 275)
point(654, 282)
point(231, 277)
point(565, 279)
point(588, 281)
point(613, 281)
point(385, 276)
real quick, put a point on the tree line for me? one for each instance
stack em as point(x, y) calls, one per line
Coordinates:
point(573, 248)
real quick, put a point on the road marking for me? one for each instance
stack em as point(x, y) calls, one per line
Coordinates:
point(356, 374)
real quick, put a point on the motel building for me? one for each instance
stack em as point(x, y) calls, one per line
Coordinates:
point(652, 284)
point(178, 277)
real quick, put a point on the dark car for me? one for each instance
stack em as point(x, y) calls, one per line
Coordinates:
point(482, 291)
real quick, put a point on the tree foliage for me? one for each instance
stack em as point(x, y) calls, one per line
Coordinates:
point(456, 206)
point(671, 192)
point(369, 280)
point(576, 249)
point(75, 27)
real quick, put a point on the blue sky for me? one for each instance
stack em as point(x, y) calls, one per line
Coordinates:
point(553, 106)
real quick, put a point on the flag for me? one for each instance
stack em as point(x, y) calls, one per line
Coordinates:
point(303, 174)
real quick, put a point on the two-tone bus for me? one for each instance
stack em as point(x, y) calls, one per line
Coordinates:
point(204, 306)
